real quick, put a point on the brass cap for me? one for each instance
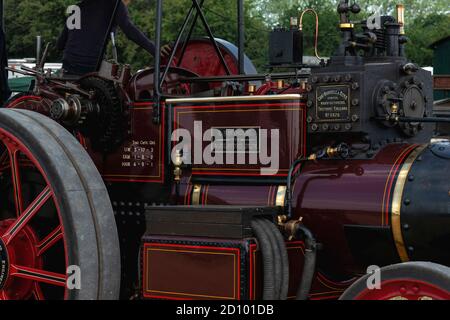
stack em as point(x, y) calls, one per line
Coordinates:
point(346, 26)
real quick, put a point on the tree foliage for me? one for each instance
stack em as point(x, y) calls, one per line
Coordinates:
point(427, 21)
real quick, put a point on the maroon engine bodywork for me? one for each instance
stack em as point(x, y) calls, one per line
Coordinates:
point(347, 204)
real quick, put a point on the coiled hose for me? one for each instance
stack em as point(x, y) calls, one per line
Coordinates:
point(275, 259)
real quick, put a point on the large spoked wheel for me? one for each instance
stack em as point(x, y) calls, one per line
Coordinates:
point(406, 281)
point(58, 238)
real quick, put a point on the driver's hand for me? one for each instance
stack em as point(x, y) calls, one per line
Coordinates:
point(166, 50)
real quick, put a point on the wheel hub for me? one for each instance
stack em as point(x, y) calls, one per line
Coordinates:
point(4, 264)
point(22, 251)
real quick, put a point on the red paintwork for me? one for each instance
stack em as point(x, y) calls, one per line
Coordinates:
point(188, 264)
point(406, 289)
point(322, 287)
point(140, 87)
point(146, 140)
point(327, 194)
point(324, 195)
point(286, 116)
point(201, 58)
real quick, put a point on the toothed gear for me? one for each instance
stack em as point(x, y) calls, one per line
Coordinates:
point(105, 130)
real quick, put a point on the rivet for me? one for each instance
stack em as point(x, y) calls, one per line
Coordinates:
point(406, 227)
point(411, 178)
point(407, 202)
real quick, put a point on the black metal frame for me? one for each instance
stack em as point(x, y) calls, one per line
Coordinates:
point(107, 35)
point(198, 8)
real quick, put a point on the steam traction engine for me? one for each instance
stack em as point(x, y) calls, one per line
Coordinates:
point(93, 178)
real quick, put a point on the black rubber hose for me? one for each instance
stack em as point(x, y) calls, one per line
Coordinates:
point(284, 286)
point(309, 267)
point(268, 261)
point(276, 251)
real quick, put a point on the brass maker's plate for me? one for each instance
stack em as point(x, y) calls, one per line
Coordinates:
point(333, 103)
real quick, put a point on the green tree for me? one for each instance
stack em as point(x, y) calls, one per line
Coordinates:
point(426, 22)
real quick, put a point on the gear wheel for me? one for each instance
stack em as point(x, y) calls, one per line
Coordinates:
point(106, 128)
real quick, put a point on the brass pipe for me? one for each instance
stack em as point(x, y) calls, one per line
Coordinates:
point(401, 18)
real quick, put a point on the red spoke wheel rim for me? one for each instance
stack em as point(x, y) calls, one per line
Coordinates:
point(405, 289)
point(405, 281)
point(58, 237)
point(22, 250)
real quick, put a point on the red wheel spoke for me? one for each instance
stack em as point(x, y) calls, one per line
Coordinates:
point(38, 275)
point(4, 158)
point(28, 214)
point(15, 175)
point(49, 241)
point(37, 292)
point(3, 295)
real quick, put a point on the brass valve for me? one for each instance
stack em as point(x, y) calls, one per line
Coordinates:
point(290, 228)
point(251, 89)
point(280, 84)
point(401, 18)
point(177, 172)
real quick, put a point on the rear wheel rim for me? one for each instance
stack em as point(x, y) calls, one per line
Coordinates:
point(405, 289)
point(30, 268)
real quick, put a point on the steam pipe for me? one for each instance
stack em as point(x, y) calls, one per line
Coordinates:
point(412, 119)
point(38, 50)
point(288, 201)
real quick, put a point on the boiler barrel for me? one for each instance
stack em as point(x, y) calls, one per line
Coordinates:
point(380, 211)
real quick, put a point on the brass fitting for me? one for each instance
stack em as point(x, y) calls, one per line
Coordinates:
point(290, 228)
point(177, 172)
point(282, 220)
point(346, 26)
point(303, 85)
point(280, 84)
point(394, 112)
point(332, 152)
point(251, 89)
point(401, 18)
